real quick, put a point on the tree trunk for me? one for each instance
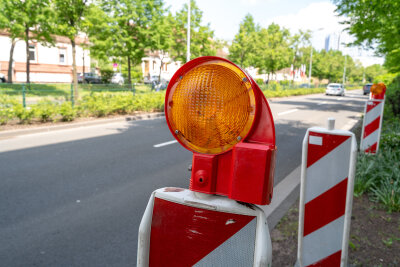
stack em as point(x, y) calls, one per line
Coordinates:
point(74, 75)
point(27, 54)
point(129, 72)
point(10, 61)
point(159, 76)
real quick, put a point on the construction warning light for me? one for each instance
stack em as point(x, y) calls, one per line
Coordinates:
point(217, 111)
point(378, 90)
point(211, 107)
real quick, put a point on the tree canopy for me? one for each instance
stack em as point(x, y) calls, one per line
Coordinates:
point(374, 23)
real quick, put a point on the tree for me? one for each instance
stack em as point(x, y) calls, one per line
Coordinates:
point(201, 36)
point(373, 71)
point(244, 45)
point(329, 65)
point(27, 20)
point(301, 47)
point(374, 22)
point(126, 29)
point(69, 15)
point(272, 50)
point(163, 39)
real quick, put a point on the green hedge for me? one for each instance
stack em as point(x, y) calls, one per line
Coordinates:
point(379, 175)
point(95, 104)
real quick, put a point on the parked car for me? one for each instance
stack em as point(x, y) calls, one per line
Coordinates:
point(89, 77)
point(335, 89)
point(2, 78)
point(304, 85)
point(367, 88)
point(117, 78)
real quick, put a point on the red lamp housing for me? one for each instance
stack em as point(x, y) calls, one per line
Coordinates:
point(216, 110)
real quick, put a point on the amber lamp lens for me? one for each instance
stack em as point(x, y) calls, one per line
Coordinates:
point(377, 88)
point(211, 107)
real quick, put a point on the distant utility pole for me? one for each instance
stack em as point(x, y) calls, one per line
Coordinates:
point(344, 69)
point(188, 34)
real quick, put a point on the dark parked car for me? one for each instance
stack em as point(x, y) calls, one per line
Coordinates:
point(89, 78)
point(2, 78)
point(367, 88)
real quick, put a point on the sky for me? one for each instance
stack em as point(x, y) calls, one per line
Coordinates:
point(224, 17)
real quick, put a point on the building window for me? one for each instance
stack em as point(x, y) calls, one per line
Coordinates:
point(32, 52)
point(62, 56)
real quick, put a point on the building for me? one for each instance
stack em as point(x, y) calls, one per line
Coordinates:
point(48, 64)
point(156, 62)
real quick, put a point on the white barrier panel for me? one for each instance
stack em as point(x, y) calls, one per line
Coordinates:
point(326, 195)
point(184, 228)
point(372, 124)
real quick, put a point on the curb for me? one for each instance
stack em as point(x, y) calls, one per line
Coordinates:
point(40, 129)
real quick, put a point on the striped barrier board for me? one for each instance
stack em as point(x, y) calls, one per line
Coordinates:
point(326, 194)
point(185, 228)
point(372, 124)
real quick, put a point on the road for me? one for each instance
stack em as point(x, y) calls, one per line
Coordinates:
point(75, 197)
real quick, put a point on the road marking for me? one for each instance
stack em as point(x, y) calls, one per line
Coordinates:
point(324, 102)
point(339, 98)
point(287, 112)
point(166, 143)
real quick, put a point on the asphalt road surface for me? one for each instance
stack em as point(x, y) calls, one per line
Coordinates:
point(75, 197)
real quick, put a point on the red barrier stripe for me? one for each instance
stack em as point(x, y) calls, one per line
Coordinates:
point(325, 208)
point(372, 127)
point(182, 235)
point(330, 261)
point(372, 106)
point(329, 143)
point(372, 149)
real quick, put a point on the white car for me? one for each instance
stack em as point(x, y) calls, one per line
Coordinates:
point(117, 78)
point(335, 89)
point(2, 78)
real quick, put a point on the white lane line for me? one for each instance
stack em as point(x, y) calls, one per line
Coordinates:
point(339, 98)
point(287, 112)
point(324, 102)
point(166, 143)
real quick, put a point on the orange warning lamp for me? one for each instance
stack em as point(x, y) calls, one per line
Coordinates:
point(217, 111)
point(378, 91)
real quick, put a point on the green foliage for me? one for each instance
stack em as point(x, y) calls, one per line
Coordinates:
point(244, 45)
point(124, 29)
point(379, 175)
point(5, 115)
point(275, 90)
point(375, 22)
point(25, 115)
point(45, 110)
point(374, 71)
point(201, 36)
point(272, 50)
point(67, 112)
point(27, 20)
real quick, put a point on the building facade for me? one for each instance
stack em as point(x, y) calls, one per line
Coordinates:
point(157, 62)
point(48, 64)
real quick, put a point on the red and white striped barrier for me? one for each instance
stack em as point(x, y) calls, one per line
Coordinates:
point(326, 195)
point(372, 124)
point(185, 228)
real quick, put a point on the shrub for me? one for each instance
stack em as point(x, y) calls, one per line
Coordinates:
point(5, 115)
point(25, 115)
point(46, 110)
point(67, 112)
point(260, 82)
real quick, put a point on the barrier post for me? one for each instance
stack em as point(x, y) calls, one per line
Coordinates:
point(326, 196)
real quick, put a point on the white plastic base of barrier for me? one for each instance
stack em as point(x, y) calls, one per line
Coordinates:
point(185, 228)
